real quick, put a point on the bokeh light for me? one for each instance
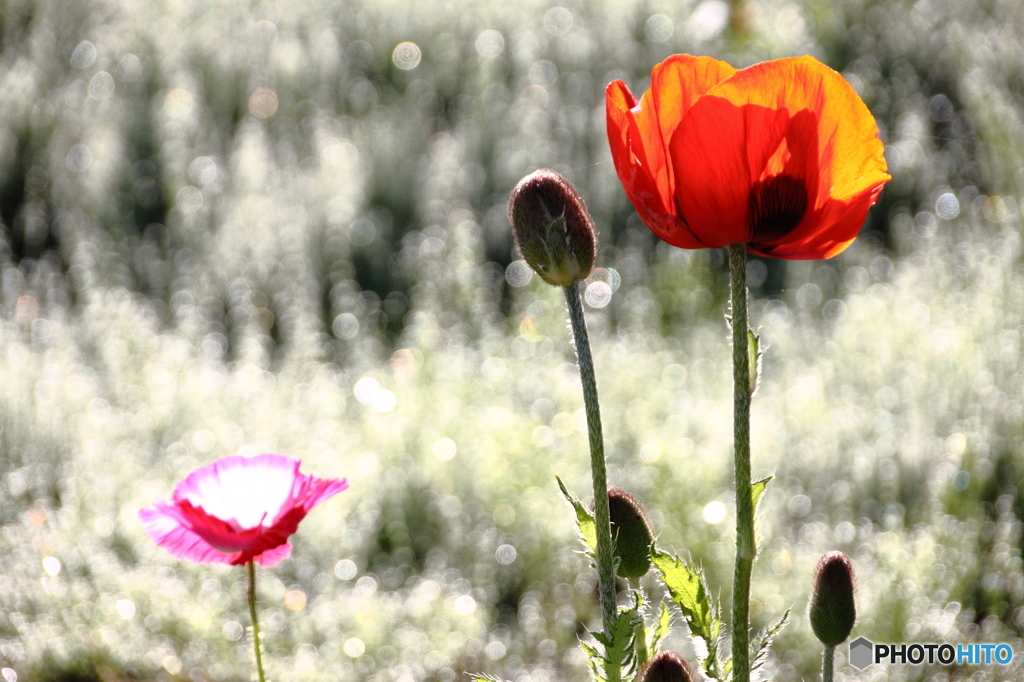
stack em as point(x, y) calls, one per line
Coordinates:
point(282, 228)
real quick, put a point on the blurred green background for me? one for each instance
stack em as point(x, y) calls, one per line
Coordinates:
point(280, 226)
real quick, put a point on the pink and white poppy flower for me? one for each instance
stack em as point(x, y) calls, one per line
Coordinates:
point(238, 509)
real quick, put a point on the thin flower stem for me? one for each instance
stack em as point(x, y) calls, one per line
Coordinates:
point(605, 561)
point(255, 621)
point(741, 455)
point(641, 635)
point(828, 664)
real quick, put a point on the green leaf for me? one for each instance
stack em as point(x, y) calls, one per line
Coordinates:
point(688, 589)
point(661, 629)
point(584, 519)
point(754, 357)
point(619, 651)
point(480, 677)
point(595, 659)
point(763, 641)
point(757, 489)
point(617, 645)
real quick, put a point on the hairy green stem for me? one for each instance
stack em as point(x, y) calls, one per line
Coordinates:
point(605, 560)
point(828, 664)
point(255, 621)
point(641, 635)
point(741, 458)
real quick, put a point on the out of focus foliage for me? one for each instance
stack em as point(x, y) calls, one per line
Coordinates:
point(280, 226)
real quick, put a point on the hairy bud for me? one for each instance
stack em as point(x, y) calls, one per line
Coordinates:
point(631, 533)
point(666, 667)
point(552, 228)
point(833, 611)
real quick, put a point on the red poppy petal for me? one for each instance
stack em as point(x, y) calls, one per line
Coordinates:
point(638, 156)
point(315, 490)
point(219, 533)
point(719, 151)
point(632, 157)
point(676, 84)
point(836, 226)
point(163, 523)
point(850, 153)
point(618, 101)
point(783, 200)
point(248, 490)
point(272, 557)
point(273, 537)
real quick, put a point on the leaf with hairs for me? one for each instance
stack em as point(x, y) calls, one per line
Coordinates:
point(661, 629)
point(480, 677)
point(757, 489)
point(688, 589)
point(754, 353)
point(756, 492)
point(596, 661)
point(585, 523)
point(618, 646)
point(763, 641)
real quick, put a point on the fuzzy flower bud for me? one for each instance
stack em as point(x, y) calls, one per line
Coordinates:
point(833, 611)
point(552, 228)
point(666, 667)
point(631, 533)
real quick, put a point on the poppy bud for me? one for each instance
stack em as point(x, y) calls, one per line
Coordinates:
point(833, 611)
point(552, 228)
point(631, 533)
point(666, 667)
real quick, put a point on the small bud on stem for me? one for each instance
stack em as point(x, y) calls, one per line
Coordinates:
point(631, 533)
point(833, 610)
point(552, 228)
point(666, 667)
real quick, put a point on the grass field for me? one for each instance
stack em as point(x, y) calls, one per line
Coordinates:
point(280, 227)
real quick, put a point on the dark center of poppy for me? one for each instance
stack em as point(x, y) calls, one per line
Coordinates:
point(775, 207)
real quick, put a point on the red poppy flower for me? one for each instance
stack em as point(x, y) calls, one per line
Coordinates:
point(782, 156)
point(237, 509)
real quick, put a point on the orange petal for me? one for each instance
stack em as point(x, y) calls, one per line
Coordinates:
point(676, 84)
point(637, 173)
point(638, 134)
point(850, 153)
point(719, 151)
point(632, 163)
point(618, 101)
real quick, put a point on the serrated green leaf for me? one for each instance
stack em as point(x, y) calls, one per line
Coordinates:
point(585, 523)
point(661, 629)
point(619, 651)
point(595, 660)
point(754, 357)
point(688, 589)
point(617, 646)
point(480, 677)
point(763, 641)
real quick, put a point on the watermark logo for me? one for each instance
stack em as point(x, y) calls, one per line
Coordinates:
point(863, 653)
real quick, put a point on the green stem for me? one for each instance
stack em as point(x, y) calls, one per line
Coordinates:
point(741, 455)
point(605, 561)
point(828, 664)
point(255, 621)
point(641, 635)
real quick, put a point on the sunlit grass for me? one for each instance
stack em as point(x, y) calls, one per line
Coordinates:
point(239, 231)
